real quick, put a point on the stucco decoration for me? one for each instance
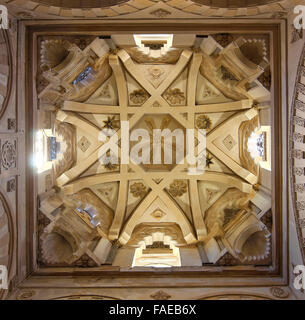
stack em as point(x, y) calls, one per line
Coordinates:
point(6, 71)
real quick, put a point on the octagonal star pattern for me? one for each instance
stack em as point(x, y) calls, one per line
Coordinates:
point(201, 207)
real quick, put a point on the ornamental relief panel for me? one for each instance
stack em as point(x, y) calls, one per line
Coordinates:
point(8, 154)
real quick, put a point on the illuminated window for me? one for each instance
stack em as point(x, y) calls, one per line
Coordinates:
point(154, 43)
point(157, 255)
point(259, 146)
point(46, 149)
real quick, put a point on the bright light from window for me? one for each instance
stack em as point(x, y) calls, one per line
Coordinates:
point(39, 146)
point(40, 153)
point(168, 38)
point(157, 259)
point(253, 145)
point(259, 146)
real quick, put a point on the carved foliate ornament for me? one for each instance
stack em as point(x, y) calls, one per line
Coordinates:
point(160, 13)
point(177, 188)
point(138, 96)
point(138, 190)
point(174, 96)
point(155, 74)
point(279, 292)
point(203, 122)
point(11, 185)
point(160, 295)
point(9, 154)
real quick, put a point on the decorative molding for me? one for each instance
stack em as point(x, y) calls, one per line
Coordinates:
point(171, 56)
point(11, 185)
point(144, 230)
point(158, 214)
point(84, 297)
point(199, 8)
point(9, 154)
point(25, 15)
point(11, 124)
point(229, 142)
point(279, 292)
point(236, 296)
point(244, 133)
point(296, 34)
point(8, 62)
point(160, 295)
point(160, 13)
point(84, 144)
point(296, 163)
point(26, 295)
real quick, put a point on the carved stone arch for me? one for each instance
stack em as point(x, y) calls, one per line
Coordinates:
point(297, 171)
point(235, 296)
point(170, 232)
point(175, 216)
point(6, 224)
point(234, 4)
point(81, 4)
point(8, 65)
point(252, 243)
point(85, 297)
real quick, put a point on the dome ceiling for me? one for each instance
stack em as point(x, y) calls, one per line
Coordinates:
point(160, 205)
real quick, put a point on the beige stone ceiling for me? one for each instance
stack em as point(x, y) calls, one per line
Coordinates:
point(154, 89)
point(147, 9)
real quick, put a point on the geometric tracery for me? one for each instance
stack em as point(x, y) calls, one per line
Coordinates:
point(209, 87)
